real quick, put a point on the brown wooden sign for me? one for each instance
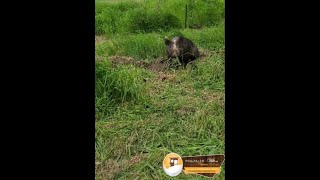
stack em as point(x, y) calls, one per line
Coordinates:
point(203, 165)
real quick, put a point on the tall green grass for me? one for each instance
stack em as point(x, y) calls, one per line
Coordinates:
point(116, 85)
point(139, 46)
point(143, 20)
point(205, 13)
point(208, 74)
point(156, 16)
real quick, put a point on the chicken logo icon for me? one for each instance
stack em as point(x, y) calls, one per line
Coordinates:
point(172, 164)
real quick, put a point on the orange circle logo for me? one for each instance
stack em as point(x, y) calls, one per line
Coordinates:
point(172, 164)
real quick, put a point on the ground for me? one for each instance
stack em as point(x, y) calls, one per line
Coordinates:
point(183, 112)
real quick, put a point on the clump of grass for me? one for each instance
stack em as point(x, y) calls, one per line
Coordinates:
point(107, 48)
point(173, 33)
point(121, 6)
point(207, 73)
point(142, 20)
point(142, 46)
point(108, 17)
point(205, 13)
point(114, 86)
point(106, 21)
point(209, 38)
point(138, 46)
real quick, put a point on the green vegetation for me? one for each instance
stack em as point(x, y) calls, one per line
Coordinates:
point(122, 17)
point(144, 113)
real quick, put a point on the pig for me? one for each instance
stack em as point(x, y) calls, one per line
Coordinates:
point(182, 48)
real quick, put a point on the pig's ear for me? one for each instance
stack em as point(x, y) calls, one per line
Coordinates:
point(167, 41)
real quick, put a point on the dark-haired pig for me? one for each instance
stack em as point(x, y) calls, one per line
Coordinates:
point(182, 48)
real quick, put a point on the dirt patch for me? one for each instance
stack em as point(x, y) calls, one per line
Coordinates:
point(220, 51)
point(157, 66)
point(184, 111)
point(213, 97)
point(162, 64)
point(167, 77)
point(202, 53)
point(99, 58)
point(205, 53)
point(117, 60)
point(100, 39)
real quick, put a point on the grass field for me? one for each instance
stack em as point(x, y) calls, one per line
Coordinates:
point(145, 109)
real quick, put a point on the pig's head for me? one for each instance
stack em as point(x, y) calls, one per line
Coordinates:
point(173, 49)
